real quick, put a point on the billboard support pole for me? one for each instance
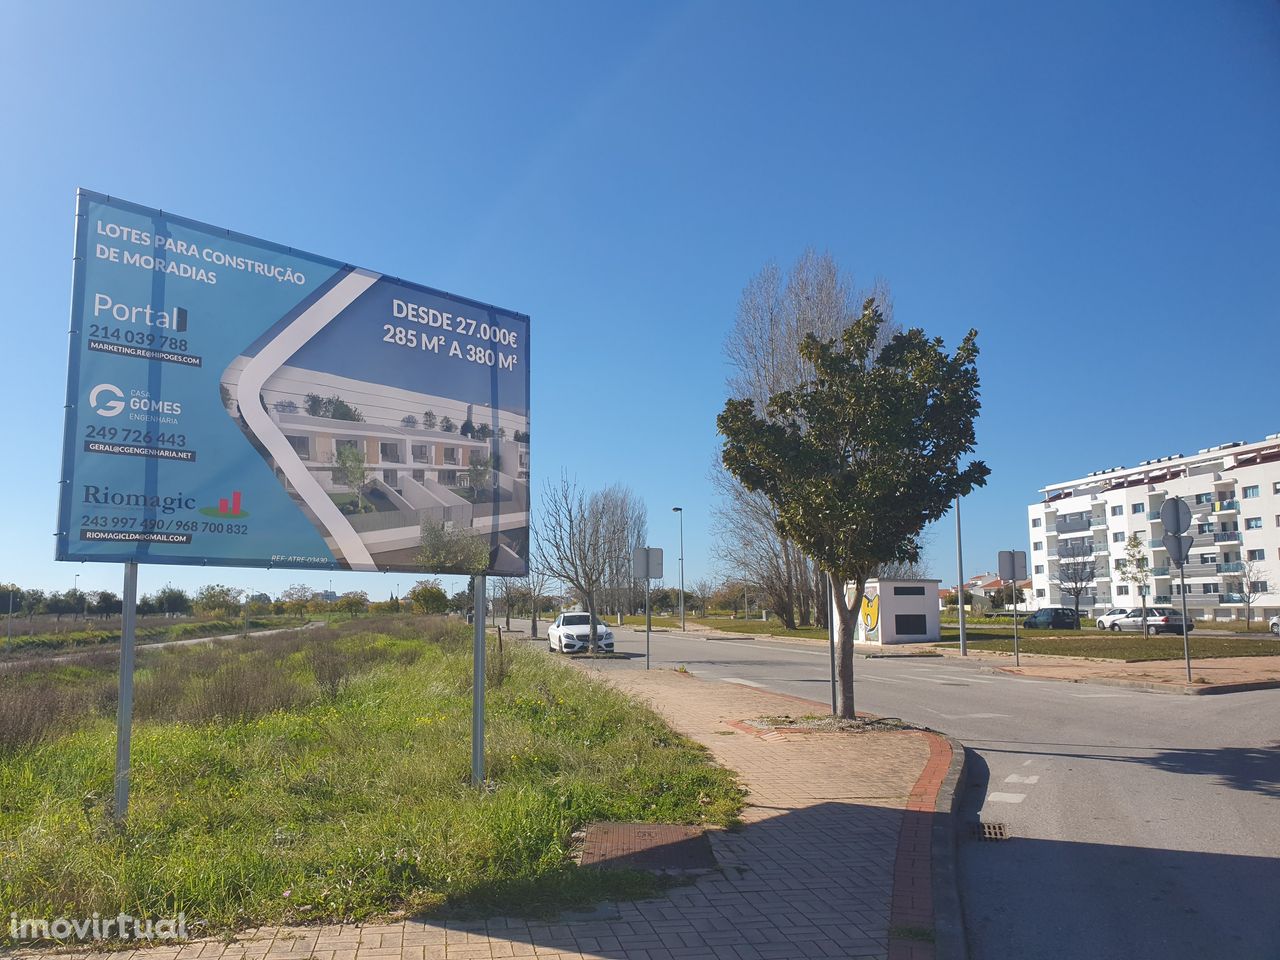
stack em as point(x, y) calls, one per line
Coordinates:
point(648, 623)
point(1186, 642)
point(477, 684)
point(124, 704)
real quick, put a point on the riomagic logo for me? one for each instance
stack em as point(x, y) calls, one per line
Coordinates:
point(228, 508)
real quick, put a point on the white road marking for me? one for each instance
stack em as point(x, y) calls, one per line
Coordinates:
point(1097, 696)
point(1027, 763)
point(1016, 778)
point(1006, 797)
point(968, 716)
point(745, 683)
point(867, 676)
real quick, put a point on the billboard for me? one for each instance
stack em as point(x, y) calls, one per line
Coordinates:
point(236, 402)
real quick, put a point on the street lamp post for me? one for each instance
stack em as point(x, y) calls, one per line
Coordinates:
point(680, 511)
point(75, 588)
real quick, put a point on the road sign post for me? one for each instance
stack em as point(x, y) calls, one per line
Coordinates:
point(646, 565)
point(477, 683)
point(1176, 517)
point(1013, 567)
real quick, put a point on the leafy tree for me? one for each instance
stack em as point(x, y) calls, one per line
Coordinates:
point(315, 404)
point(285, 406)
point(483, 432)
point(502, 433)
point(33, 602)
point(409, 421)
point(468, 429)
point(857, 460)
point(480, 473)
point(447, 549)
point(520, 436)
point(1133, 569)
point(460, 602)
point(447, 425)
point(353, 603)
point(332, 408)
point(296, 598)
point(174, 601)
point(429, 420)
point(106, 604)
point(218, 600)
point(352, 471)
point(428, 596)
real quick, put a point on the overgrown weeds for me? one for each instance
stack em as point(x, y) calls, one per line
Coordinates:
point(273, 783)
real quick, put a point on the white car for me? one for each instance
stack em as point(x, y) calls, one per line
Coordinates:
point(1275, 626)
point(1108, 620)
point(571, 633)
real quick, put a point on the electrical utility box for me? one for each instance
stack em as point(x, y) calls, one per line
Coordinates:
point(899, 611)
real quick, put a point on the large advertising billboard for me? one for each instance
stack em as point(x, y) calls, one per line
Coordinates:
point(236, 402)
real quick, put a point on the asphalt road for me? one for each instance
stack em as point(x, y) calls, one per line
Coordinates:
point(1142, 825)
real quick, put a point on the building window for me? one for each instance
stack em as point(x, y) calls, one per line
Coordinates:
point(1202, 498)
point(1139, 508)
point(419, 476)
point(910, 624)
point(1257, 554)
point(1258, 586)
point(1208, 558)
point(1249, 492)
point(1035, 521)
point(1122, 590)
point(301, 446)
point(1039, 568)
point(1038, 545)
point(1275, 487)
point(908, 591)
point(1205, 528)
point(1117, 511)
point(1253, 523)
point(1040, 593)
point(1118, 537)
point(1209, 588)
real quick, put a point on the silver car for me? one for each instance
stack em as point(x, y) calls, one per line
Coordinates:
point(1159, 620)
point(1108, 620)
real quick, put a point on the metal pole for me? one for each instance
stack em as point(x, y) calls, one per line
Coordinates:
point(1017, 661)
point(964, 646)
point(831, 643)
point(124, 704)
point(648, 623)
point(1186, 643)
point(9, 627)
point(477, 684)
point(680, 510)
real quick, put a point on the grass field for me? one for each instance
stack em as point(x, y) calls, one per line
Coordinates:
point(1132, 647)
point(324, 775)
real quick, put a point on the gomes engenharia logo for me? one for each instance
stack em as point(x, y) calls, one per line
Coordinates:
point(141, 405)
point(106, 497)
point(106, 408)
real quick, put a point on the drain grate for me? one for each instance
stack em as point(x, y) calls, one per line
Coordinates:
point(659, 847)
point(990, 831)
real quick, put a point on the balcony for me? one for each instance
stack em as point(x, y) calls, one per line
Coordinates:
point(1227, 536)
point(1234, 567)
point(1231, 597)
point(1098, 521)
point(1155, 544)
point(1226, 506)
point(1160, 599)
point(1160, 571)
point(1073, 525)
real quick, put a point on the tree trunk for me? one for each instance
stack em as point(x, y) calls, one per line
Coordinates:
point(533, 619)
point(844, 646)
point(1077, 611)
point(593, 642)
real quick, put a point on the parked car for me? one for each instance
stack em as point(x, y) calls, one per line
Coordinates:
point(1052, 618)
point(1275, 626)
point(1108, 620)
point(572, 632)
point(1159, 620)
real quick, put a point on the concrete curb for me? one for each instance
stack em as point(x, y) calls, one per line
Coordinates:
point(950, 940)
point(1148, 686)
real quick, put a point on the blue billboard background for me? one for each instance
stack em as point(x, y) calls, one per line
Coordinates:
point(163, 461)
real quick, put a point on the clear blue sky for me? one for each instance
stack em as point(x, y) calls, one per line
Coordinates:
point(1095, 188)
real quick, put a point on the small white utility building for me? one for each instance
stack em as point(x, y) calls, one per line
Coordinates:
point(898, 611)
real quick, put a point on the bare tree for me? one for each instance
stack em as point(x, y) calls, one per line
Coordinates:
point(627, 526)
point(1251, 585)
point(572, 542)
point(1074, 573)
point(538, 581)
point(704, 588)
point(775, 312)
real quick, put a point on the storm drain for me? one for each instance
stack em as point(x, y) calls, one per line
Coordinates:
point(990, 831)
point(658, 847)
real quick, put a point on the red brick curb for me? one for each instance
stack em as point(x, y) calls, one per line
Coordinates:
point(911, 907)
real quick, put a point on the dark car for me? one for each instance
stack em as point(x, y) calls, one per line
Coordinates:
point(1052, 618)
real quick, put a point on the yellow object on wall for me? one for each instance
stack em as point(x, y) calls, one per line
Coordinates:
point(871, 613)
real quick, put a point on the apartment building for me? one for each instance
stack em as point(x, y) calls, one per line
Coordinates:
point(1233, 490)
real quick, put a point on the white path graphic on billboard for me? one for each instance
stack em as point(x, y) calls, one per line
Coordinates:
point(268, 361)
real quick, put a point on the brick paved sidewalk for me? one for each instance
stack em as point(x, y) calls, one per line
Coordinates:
point(818, 870)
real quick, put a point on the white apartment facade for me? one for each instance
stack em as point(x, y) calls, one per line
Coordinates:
point(1233, 491)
